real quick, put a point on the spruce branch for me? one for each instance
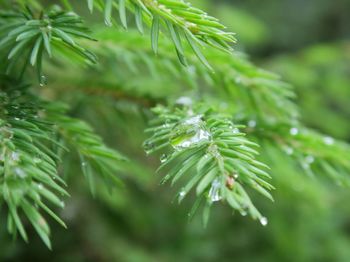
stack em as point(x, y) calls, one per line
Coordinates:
point(204, 149)
point(27, 36)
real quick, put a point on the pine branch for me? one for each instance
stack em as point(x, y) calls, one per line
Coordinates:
point(33, 132)
point(206, 150)
point(26, 37)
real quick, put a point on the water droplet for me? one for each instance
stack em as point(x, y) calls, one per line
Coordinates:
point(148, 146)
point(108, 23)
point(184, 100)
point(309, 159)
point(19, 172)
point(15, 156)
point(238, 80)
point(235, 130)
point(43, 81)
point(289, 150)
point(83, 163)
point(49, 27)
point(252, 123)
point(199, 136)
point(214, 192)
point(182, 195)
point(163, 158)
point(40, 186)
point(294, 131)
point(37, 160)
point(263, 221)
point(17, 118)
point(328, 140)
point(195, 120)
point(243, 213)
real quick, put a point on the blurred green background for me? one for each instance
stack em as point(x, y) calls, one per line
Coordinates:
point(308, 44)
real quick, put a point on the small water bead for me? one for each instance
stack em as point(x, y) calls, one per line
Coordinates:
point(182, 195)
point(243, 213)
point(289, 150)
point(40, 186)
point(328, 140)
point(163, 158)
point(83, 164)
point(252, 123)
point(43, 81)
point(19, 172)
point(309, 159)
point(214, 192)
point(184, 100)
point(49, 27)
point(17, 118)
point(264, 221)
point(15, 156)
point(235, 130)
point(294, 131)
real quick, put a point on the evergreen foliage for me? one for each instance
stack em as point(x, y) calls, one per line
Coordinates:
point(211, 111)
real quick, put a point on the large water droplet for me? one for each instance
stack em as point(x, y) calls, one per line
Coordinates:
point(263, 221)
point(294, 131)
point(214, 192)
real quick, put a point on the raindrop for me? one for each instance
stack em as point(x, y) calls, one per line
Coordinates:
point(243, 213)
point(43, 81)
point(83, 163)
point(15, 156)
point(184, 100)
point(19, 172)
point(289, 150)
point(235, 130)
point(163, 158)
point(37, 160)
point(214, 192)
point(263, 221)
point(328, 140)
point(309, 159)
point(40, 186)
point(49, 27)
point(252, 123)
point(182, 195)
point(195, 120)
point(17, 118)
point(294, 131)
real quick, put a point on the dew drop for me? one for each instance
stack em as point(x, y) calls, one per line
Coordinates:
point(182, 195)
point(163, 158)
point(19, 172)
point(252, 123)
point(43, 81)
point(235, 130)
point(214, 192)
point(263, 221)
point(309, 159)
point(294, 131)
point(289, 150)
point(184, 100)
point(40, 186)
point(15, 156)
point(328, 140)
